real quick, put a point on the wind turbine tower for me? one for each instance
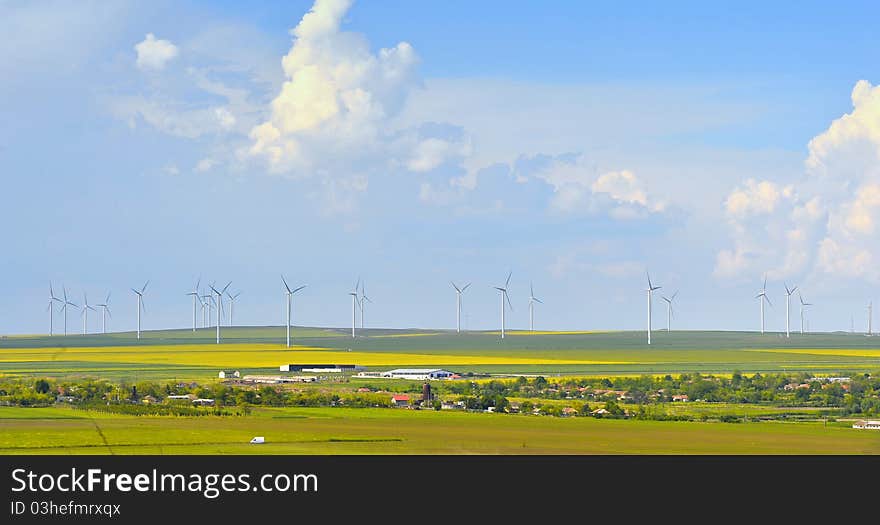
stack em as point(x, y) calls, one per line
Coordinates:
point(870, 317)
point(195, 295)
point(803, 304)
point(650, 291)
point(219, 306)
point(85, 313)
point(788, 293)
point(232, 299)
point(504, 296)
point(532, 301)
point(105, 311)
point(51, 310)
point(289, 293)
point(140, 306)
point(669, 312)
point(761, 297)
point(458, 292)
point(354, 304)
point(364, 299)
point(64, 306)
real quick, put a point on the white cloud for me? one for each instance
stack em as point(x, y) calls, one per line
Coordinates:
point(337, 96)
point(153, 54)
point(829, 224)
point(205, 165)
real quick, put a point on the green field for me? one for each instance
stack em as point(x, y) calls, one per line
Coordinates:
point(184, 355)
point(390, 431)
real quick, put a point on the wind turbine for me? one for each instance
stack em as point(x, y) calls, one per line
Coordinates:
point(458, 292)
point(761, 297)
point(232, 299)
point(788, 293)
point(650, 291)
point(503, 292)
point(354, 304)
point(669, 312)
point(105, 306)
point(364, 299)
point(140, 305)
point(532, 301)
point(50, 309)
point(870, 316)
point(803, 304)
point(195, 295)
point(206, 309)
point(64, 306)
point(219, 302)
point(289, 294)
point(85, 312)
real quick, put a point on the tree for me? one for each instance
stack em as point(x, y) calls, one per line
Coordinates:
point(41, 386)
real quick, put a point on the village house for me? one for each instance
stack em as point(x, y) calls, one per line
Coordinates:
point(400, 400)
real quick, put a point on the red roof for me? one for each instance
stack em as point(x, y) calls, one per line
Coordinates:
point(399, 398)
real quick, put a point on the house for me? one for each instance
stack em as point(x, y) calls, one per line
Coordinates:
point(364, 389)
point(568, 411)
point(680, 397)
point(400, 400)
point(229, 374)
point(203, 402)
point(600, 412)
point(186, 397)
point(312, 368)
point(65, 399)
point(867, 425)
point(148, 399)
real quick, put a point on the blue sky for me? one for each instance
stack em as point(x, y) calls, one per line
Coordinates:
point(409, 143)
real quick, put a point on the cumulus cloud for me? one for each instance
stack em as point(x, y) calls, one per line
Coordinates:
point(829, 224)
point(577, 188)
point(153, 54)
point(337, 98)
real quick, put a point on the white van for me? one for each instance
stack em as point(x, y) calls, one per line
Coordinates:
point(258, 439)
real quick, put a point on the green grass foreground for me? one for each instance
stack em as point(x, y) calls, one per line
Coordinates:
point(397, 431)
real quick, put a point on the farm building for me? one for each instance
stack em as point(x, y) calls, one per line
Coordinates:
point(229, 374)
point(318, 368)
point(420, 374)
point(186, 397)
point(680, 397)
point(400, 400)
point(274, 380)
point(203, 402)
point(867, 425)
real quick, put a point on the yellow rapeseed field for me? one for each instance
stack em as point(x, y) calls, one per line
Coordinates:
point(846, 352)
point(263, 355)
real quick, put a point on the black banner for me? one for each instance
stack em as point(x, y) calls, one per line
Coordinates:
point(223, 489)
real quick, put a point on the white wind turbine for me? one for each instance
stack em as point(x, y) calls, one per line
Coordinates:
point(105, 311)
point(289, 293)
point(85, 313)
point(140, 305)
point(354, 304)
point(650, 291)
point(788, 293)
point(532, 301)
point(363, 299)
point(870, 317)
point(51, 310)
point(670, 313)
point(232, 299)
point(206, 309)
point(803, 304)
point(503, 293)
point(195, 296)
point(64, 306)
point(761, 297)
point(219, 302)
point(458, 292)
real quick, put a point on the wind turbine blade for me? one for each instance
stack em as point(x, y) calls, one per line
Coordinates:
point(225, 287)
point(531, 290)
point(507, 282)
point(456, 287)
point(465, 287)
point(298, 289)
point(765, 282)
point(540, 301)
point(145, 286)
point(650, 286)
point(508, 300)
point(198, 282)
point(285, 283)
point(107, 300)
point(673, 295)
point(767, 299)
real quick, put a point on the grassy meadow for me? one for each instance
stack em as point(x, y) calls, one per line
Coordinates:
point(389, 431)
